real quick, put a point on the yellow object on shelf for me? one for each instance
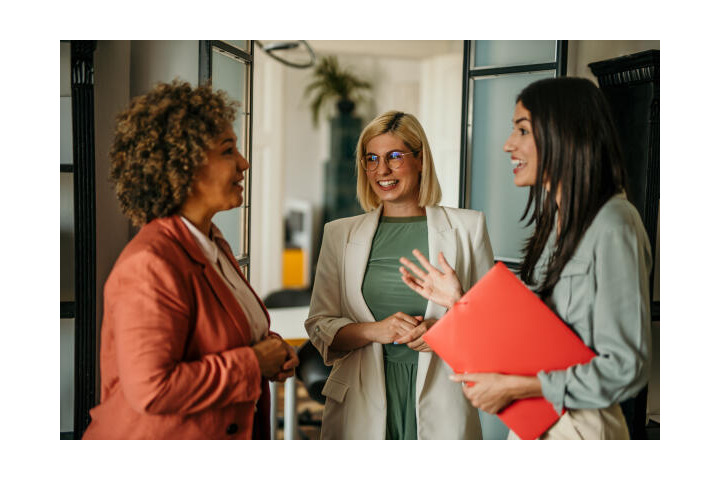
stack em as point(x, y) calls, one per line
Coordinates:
point(293, 268)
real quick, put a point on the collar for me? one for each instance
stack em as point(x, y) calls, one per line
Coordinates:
point(208, 247)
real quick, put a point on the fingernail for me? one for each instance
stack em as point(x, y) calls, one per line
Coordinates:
point(395, 343)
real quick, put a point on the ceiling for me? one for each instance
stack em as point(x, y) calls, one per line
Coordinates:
point(411, 49)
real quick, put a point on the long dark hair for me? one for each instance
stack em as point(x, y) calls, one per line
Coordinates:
point(578, 152)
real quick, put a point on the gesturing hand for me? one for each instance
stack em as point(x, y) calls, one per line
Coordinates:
point(439, 286)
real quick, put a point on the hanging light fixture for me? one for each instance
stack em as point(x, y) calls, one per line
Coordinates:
point(293, 53)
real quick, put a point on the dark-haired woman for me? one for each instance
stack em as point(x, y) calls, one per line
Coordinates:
point(588, 259)
point(186, 350)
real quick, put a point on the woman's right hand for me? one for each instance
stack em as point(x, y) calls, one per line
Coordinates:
point(390, 329)
point(271, 355)
point(439, 286)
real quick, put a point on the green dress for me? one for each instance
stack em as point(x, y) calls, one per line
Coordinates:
point(386, 294)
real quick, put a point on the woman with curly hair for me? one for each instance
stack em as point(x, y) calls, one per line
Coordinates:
point(186, 349)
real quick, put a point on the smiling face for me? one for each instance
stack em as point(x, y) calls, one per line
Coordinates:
point(521, 146)
point(398, 189)
point(218, 182)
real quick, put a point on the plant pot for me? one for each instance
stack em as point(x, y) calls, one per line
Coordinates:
point(345, 106)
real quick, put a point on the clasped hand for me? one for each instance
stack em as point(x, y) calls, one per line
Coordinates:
point(277, 358)
point(401, 328)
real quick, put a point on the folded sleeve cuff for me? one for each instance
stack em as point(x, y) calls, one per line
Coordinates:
point(553, 388)
point(322, 335)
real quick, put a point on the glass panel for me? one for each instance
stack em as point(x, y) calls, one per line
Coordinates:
point(241, 44)
point(65, 86)
point(67, 373)
point(231, 75)
point(492, 188)
point(67, 239)
point(504, 53)
point(66, 154)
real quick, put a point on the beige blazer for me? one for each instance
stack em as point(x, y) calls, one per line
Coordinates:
point(356, 407)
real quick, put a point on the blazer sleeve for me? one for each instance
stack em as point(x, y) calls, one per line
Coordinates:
point(152, 306)
point(325, 316)
point(482, 253)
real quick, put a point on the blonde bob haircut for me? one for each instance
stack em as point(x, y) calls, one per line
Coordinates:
point(407, 128)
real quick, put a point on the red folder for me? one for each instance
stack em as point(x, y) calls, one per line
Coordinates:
point(501, 326)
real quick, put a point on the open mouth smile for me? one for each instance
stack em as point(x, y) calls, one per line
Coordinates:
point(517, 165)
point(387, 184)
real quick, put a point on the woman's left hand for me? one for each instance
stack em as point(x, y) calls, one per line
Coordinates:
point(413, 339)
point(491, 392)
point(288, 368)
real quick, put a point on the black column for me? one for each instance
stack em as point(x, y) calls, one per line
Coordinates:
point(632, 86)
point(83, 131)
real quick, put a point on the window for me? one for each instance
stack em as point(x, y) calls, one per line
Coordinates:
point(228, 65)
point(495, 73)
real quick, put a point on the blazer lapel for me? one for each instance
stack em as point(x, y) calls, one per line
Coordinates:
point(356, 258)
point(441, 238)
point(175, 227)
point(225, 247)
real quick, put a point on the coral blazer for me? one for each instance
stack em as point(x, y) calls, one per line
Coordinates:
point(175, 357)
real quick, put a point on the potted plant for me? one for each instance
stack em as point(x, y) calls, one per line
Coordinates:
point(329, 83)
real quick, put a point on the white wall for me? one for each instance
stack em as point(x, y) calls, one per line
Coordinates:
point(268, 181)
point(440, 114)
point(112, 93)
point(583, 52)
point(154, 61)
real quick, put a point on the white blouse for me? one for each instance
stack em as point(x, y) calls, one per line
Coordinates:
point(245, 297)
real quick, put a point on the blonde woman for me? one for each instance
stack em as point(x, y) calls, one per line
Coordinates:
point(386, 383)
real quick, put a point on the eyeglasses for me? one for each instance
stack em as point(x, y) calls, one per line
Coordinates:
point(394, 160)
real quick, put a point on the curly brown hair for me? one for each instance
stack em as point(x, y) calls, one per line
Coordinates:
point(160, 141)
